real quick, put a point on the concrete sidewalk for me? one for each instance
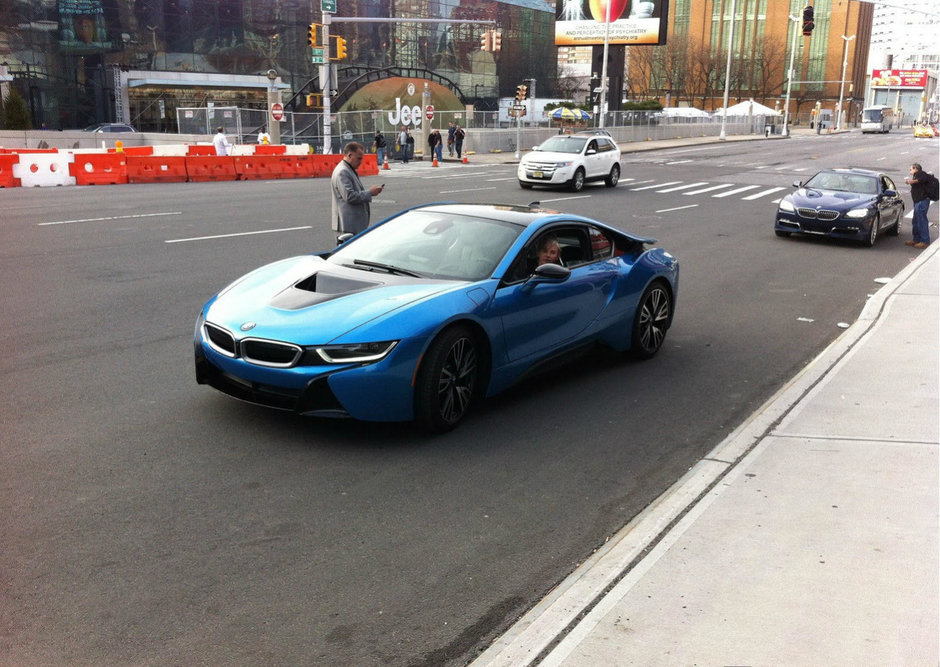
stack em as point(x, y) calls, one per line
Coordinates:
point(808, 537)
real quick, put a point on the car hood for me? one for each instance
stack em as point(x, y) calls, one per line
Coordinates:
point(830, 199)
point(307, 301)
point(550, 156)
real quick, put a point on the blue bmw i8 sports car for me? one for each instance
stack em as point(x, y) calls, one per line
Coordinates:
point(432, 309)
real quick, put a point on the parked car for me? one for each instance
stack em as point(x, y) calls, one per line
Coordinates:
point(924, 131)
point(856, 204)
point(597, 131)
point(571, 160)
point(110, 127)
point(431, 310)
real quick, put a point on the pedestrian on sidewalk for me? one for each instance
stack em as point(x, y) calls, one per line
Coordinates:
point(918, 181)
point(450, 138)
point(435, 143)
point(378, 145)
point(459, 135)
point(351, 210)
point(406, 141)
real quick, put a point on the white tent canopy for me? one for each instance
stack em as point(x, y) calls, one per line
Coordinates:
point(684, 112)
point(749, 108)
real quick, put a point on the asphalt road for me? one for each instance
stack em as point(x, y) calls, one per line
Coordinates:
point(148, 520)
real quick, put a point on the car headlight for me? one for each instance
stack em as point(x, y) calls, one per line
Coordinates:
point(568, 163)
point(355, 353)
point(858, 213)
point(786, 205)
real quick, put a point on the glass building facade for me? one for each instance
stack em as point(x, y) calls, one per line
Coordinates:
point(67, 56)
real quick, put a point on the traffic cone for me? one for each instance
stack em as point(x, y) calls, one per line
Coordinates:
point(385, 162)
point(434, 162)
point(465, 160)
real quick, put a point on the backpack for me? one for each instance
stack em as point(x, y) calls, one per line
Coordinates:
point(932, 188)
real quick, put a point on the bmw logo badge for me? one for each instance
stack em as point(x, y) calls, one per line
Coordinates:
point(248, 326)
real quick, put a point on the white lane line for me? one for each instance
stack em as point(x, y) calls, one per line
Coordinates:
point(680, 162)
point(678, 208)
point(114, 217)
point(447, 192)
point(492, 180)
point(542, 201)
point(683, 187)
point(734, 192)
point(762, 193)
point(228, 236)
point(657, 185)
point(714, 187)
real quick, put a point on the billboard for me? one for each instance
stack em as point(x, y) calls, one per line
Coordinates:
point(583, 22)
point(899, 78)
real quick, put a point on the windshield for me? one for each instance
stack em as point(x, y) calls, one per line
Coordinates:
point(829, 180)
point(564, 144)
point(431, 244)
point(872, 115)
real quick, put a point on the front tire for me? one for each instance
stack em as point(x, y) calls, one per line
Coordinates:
point(577, 183)
point(781, 234)
point(613, 177)
point(652, 320)
point(873, 232)
point(447, 380)
point(895, 229)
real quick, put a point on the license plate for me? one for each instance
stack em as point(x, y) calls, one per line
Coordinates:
point(536, 174)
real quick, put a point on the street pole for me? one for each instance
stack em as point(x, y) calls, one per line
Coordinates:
point(786, 106)
point(603, 107)
point(845, 62)
point(274, 96)
point(724, 110)
point(326, 85)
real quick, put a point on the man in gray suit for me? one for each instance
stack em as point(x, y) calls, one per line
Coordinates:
point(350, 197)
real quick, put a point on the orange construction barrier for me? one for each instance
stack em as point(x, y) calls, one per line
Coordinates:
point(6, 171)
point(298, 166)
point(202, 168)
point(257, 167)
point(200, 149)
point(156, 169)
point(369, 166)
point(99, 169)
point(323, 165)
point(135, 150)
point(270, 149)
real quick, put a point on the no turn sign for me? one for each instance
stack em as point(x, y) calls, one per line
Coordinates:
point(429, 112)
point(277, 111)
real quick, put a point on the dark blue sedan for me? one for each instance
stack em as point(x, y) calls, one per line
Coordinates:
point(855, 204)
point(425, 313)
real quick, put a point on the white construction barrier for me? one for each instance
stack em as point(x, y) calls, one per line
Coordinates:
point(171, 150)
point(44, 169)
point(297, 149)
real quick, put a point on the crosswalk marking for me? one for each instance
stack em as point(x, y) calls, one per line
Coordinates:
point(762, 193)
point(683, 187)
point(714, 187)
point(658, 185)
point(734, 192)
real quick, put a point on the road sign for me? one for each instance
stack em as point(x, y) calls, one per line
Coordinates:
point(277, 111)
point(318, 60)
point(429, 112)
point(328, 5)
point(317, 51)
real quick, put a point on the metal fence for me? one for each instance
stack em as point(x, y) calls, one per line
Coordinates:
point(485, 131)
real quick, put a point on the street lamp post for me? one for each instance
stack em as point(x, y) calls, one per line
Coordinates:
point(724, 110)
point(845, 61)
point(603, 108)
point(786, 107)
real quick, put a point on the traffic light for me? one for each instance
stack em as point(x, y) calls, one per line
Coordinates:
point(521, 92)
point(486, 40)
point(340, 49)
point(314, 100)
point(312, 35)
point(808, 24)
point(497, 39)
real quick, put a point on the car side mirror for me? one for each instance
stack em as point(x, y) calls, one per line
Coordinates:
point(548, 273)
point(797, 184)
point(537, 147)
point(590, 151)
point(342, 238)
point(890, 193)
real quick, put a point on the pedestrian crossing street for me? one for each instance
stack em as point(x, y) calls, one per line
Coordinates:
point(715, 190)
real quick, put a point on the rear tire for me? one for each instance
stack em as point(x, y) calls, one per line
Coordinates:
point(447, 380)
point(613, 177)
point(652, 320)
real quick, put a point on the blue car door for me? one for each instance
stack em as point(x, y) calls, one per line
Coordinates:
point(540, 316)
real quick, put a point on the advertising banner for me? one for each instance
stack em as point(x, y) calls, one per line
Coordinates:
point(899, 78)
point(583, 22)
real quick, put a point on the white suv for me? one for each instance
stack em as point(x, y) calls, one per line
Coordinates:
point(572, 160)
